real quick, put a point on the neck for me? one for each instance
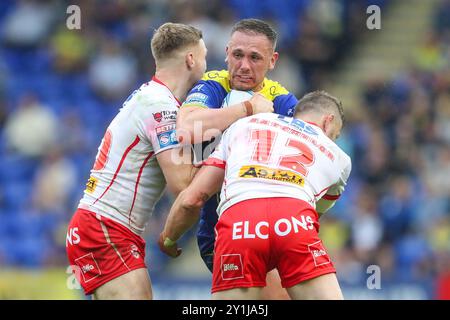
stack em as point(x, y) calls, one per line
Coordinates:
point(177, 81)
point(312, 119)
point(259, 87)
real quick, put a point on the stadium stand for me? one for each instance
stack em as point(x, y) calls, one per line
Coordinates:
point(60, 88)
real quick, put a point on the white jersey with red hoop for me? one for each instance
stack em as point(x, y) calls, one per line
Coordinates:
point(126, 180)
point(269, 155)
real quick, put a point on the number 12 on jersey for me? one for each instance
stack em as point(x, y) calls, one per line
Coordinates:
point(297, 160)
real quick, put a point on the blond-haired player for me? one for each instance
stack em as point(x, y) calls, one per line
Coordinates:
point(133, 166)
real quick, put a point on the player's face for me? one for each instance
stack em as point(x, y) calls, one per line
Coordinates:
point(249, 57)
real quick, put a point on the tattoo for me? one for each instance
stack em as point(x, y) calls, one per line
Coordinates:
point(204, 196)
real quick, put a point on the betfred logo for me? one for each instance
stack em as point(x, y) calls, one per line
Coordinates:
point(231, 266)
point(319, 253)
point(89, 267)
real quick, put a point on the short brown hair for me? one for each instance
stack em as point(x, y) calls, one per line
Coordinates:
point(256, 26)
point(320, 101)
point(171, 37)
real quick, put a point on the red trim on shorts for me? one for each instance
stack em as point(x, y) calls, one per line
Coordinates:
point(331, 197)
point(214, 162)
point(131, 146)
point(154, 78)
point(137, 185)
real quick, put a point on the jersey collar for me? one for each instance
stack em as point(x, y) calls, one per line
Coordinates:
point(163, 84)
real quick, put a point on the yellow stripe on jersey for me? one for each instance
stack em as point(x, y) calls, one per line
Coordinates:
point(270, 90)
point(262, 172)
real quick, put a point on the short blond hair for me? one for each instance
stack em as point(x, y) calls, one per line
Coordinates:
point(171, 37)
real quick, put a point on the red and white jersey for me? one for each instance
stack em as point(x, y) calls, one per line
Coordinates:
point(270, 155)
point(126, 180)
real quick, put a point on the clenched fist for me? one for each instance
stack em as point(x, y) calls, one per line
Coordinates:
point(168, 246)
point(261, 104)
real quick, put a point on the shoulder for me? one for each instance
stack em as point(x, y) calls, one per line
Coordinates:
point(273, 89)
point(218, 79)
point(151, 91)
point(210, 90)
point(152, 97)
point(344, 159)
point(284, 102)
point(218, 76)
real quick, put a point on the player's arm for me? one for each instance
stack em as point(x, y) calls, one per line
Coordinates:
point(177, 168)
point(329, 199)
point(185, 211)
point(197, 123)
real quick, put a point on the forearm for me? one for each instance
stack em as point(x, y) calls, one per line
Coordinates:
point(183, 215)
point(182, 180)
point(202, 124)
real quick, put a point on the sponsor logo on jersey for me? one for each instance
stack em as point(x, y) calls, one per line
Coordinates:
point(300, 125)
point(157, 116)
point(196, 98)
point(91, 184)
point(261, 172)
point(168, 138)
point(165, 128)
point(231, 266)
point(165, 115)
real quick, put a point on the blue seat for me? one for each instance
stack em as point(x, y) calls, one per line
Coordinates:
point(25, 252)
point(16, 168)
point(16, 195)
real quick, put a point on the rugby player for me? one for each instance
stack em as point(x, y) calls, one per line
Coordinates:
point(133, 166)
point(278, 174)
point(250, 55)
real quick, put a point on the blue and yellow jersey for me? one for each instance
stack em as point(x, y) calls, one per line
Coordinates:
point(215, 85)
point(210, 93)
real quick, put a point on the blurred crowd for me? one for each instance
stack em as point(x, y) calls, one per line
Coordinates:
point(60, 88)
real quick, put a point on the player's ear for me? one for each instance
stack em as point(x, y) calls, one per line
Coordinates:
point(226, 54)
point(273, 60)
point(328, 123)
point(190, 61)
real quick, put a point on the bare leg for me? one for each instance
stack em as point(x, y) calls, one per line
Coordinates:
point(325, 287)
point(238, 294)
point(134, 285)
point(273, 290)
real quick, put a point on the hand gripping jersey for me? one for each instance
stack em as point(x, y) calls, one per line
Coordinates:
point(126, 180)
point(210, 93)
point(269, 155)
